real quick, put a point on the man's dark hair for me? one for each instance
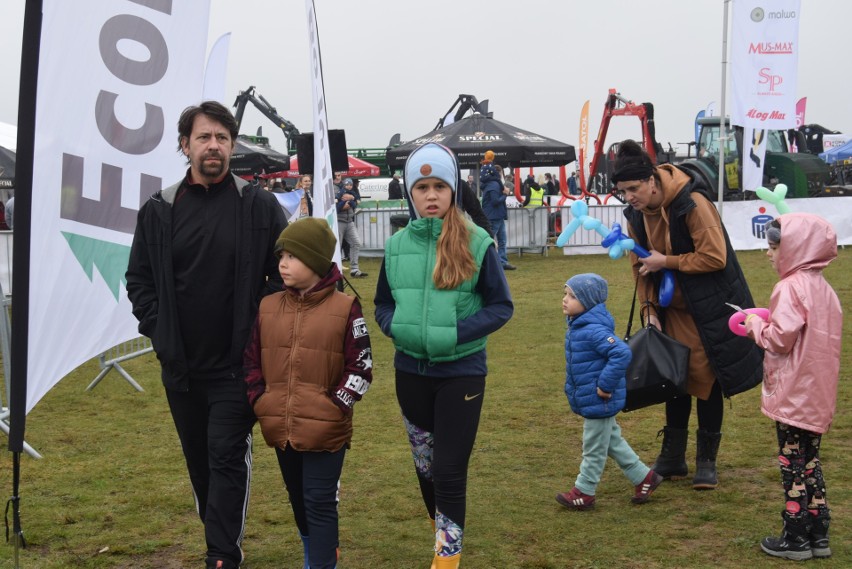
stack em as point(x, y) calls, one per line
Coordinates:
point(211, 109)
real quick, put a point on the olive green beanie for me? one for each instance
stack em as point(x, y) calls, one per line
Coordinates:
point(310, 240)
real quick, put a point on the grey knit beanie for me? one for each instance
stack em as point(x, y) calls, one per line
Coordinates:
point(589, 288)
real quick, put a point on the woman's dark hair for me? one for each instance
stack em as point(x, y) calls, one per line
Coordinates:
point(632, 163)
point(212, 110)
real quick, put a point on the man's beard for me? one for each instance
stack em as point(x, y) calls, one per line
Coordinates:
point(213, 169)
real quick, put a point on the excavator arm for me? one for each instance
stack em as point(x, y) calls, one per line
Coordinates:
point(262, 105)
point(618, 106)
point(463, 104)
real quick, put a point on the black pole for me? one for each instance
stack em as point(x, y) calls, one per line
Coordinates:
point(23, 206)
point(21, 254)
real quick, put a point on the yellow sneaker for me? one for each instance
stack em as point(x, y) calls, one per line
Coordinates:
point(451, 562)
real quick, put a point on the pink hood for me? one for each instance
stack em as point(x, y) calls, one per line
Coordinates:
point(808, 242)
point(803, 335)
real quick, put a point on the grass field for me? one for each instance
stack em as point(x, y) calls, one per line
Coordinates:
point(112, 491)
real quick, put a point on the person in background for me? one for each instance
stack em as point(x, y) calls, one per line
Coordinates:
point(440, 293)
point(550, 185)
point(347, 204)
point(201, 260)
point(671, 215)
point(802, 340)
point(494, 196)
point(596, 361)
point(308, 362)
point(573, 187)
point(535, 196)
point(306, 205)
point(472, 206)
point(395, 188)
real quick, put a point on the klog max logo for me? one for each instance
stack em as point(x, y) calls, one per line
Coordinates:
point(763, 116)
point(107, 212)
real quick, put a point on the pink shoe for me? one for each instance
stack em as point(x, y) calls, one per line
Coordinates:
point(576, 500)
point(645, 488)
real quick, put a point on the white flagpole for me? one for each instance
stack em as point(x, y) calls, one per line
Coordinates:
point(723, 134)
point(324, 189)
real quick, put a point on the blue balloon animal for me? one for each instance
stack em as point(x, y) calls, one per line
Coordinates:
point(616, 241)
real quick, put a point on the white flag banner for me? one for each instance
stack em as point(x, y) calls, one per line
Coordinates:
point(113, 78)
point(754, 155)
point(764, 63)
point(324, 189)
point(217, 70)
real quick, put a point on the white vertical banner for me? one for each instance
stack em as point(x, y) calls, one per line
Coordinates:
point(754, 154)
point(216, 71)
point(324, 189)
point(113, 78)
point(764, 62)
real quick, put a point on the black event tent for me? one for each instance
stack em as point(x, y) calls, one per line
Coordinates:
point(250, 158)
point(470, 137)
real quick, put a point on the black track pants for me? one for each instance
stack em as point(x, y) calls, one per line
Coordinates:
point(214, 422)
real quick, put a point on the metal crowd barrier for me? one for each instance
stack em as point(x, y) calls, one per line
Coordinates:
point(528, 230)
point(5, 351)
point(115, 356)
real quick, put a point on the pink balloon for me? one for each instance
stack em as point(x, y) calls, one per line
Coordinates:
point(737, 321)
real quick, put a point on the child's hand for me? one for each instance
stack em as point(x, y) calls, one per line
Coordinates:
point(603, 394)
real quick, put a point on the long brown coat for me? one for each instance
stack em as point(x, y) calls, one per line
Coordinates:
point(705, 227)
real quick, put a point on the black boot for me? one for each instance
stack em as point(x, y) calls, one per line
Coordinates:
point(794, 542)
point(819, 536)
point(671, 464)
point(705, 460)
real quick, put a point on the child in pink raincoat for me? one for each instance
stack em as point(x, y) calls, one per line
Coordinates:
point(801, 366)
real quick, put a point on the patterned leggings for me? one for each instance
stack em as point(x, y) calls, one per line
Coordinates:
point(801, 471)
point(441, 416)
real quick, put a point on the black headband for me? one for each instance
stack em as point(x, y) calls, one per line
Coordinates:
point(632, 171)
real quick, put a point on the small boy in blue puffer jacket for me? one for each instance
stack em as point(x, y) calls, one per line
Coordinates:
point(596, 361)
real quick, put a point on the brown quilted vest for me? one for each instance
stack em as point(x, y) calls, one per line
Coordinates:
point(301, 340)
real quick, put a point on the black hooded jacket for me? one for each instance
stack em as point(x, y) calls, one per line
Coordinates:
point(151, 282)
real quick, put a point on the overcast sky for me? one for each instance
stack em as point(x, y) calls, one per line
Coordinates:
point(396, 66)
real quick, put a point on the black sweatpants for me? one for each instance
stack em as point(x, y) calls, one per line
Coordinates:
point(214, 422)
point(442, 416)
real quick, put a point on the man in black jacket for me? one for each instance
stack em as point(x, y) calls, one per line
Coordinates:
point(202, 258)
point(395, 188)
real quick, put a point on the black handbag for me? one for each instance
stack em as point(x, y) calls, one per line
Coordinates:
point(659, 368)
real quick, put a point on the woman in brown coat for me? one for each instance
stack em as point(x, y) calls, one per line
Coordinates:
point(672, 216)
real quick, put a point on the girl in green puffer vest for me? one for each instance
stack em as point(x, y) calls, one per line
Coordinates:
point(441, 291)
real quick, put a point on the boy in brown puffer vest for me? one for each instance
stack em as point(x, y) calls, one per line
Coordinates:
point(307, 363)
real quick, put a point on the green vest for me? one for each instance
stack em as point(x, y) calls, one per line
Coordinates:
point(424, 320)
point(536, 198)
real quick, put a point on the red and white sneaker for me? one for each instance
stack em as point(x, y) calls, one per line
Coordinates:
point(576, 500)
point(645, 488)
